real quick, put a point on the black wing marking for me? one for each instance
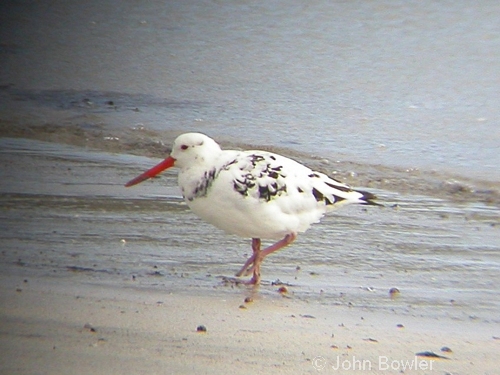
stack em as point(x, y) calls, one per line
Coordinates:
point(201, 189)
point(258, 176)
point(263, 177)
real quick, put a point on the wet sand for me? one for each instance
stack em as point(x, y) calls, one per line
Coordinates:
point(49, 327)
point(96, 278)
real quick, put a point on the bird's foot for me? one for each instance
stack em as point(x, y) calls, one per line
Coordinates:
point(249, 270)
point(235, 281)
point(252, 266)
point(246, 269)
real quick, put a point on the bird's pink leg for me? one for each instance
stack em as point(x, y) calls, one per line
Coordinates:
point(256, 250)
point(289, 238)
point(259, 255)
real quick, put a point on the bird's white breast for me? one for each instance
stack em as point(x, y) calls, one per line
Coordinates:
point(253, 194)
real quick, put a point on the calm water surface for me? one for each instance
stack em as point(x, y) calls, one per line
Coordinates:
point(411, 84)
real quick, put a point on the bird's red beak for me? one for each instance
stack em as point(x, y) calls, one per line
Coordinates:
point(165, 164)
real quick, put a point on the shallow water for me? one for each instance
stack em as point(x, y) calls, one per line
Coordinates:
point(400, 99)
point(412, 85)
point(65, 214)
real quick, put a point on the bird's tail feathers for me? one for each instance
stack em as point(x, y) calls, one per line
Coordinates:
point(368, 198)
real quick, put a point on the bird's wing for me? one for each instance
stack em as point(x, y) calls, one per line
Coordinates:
point(269, 177)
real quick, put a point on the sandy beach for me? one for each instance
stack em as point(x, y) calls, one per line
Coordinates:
point(85, 288)
point(49, 327)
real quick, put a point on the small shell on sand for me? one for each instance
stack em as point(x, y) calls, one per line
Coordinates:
point(429, 354)
point(394, 292)
point(89, 327)
point(201, 328)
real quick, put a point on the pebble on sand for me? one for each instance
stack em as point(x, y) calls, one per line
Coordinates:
point(201, 328)
point(429, 354)
point(394, 292)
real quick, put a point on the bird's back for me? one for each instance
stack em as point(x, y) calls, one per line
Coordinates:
point(259, 194)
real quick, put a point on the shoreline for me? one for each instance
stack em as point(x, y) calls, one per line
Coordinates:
point(153, 144)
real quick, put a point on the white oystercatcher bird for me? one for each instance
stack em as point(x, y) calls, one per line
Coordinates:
point(254, 194)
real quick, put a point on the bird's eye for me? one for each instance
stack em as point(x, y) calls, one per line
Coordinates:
point(184, 147)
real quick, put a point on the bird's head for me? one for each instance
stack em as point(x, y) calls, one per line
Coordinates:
point(193, 148)
point(189, 149)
